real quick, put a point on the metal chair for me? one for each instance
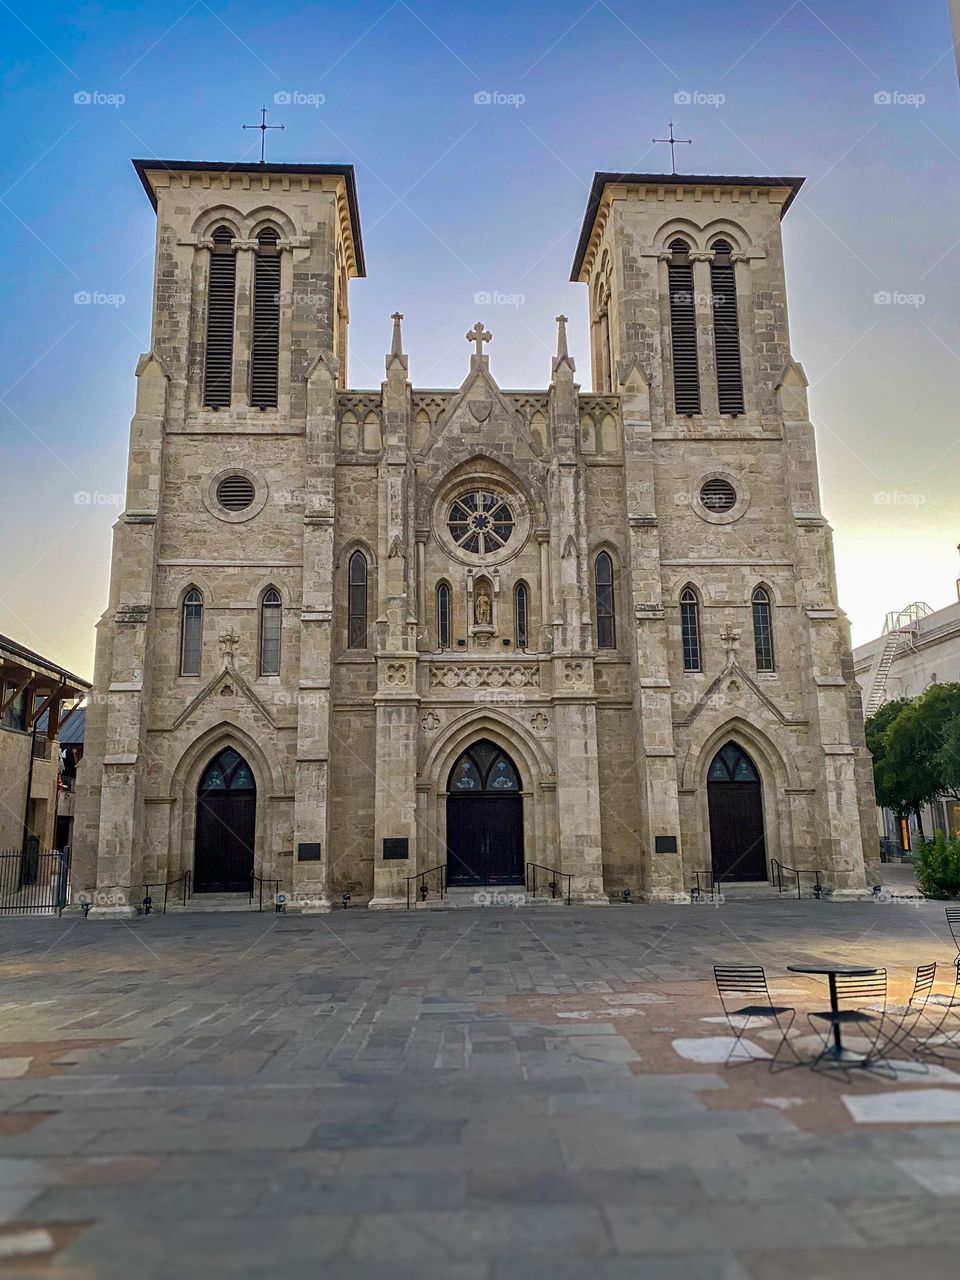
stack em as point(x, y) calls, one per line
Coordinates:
point(906, 1019)
point(744, 995)
point(953, 923)
point(862, 993)
point(947, 1044)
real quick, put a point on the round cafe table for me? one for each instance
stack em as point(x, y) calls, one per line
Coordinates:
point(831, 971)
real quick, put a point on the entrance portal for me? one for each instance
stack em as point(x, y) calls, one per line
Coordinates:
point(735, 800)
point(484, 818)
point(226, 825)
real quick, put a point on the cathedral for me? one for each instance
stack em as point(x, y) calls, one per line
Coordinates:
point(355, 636)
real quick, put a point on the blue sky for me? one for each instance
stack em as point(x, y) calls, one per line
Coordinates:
point(458, 198)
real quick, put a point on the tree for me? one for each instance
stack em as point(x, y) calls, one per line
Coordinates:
point(886, 783)
point(916, 749)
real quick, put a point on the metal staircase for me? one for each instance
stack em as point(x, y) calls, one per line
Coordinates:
point(900, 631)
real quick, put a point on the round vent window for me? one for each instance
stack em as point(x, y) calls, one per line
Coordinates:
point(235, 493)
point(718, 496)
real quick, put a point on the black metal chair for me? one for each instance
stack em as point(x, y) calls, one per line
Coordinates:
point(905, 1020)
point(953, 923)
point(744, 995)
point(943, 1024)
point(862, 993)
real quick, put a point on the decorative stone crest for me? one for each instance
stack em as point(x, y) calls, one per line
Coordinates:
point(396, 674)
point(539, 722)
point(573, 673)
point(430, 722)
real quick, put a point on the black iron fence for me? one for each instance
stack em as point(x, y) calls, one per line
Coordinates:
point(34, 880)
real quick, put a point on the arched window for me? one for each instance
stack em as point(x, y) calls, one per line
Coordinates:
point(763, 630)
point(606, 622)
point(221, 294)
point(271, 617)
point(265, 349)
point(191, 633)
point(726, 329)
point(690, 629)
point(357, 601)
point(443, 616)
point(521, 615)
point(683, 330)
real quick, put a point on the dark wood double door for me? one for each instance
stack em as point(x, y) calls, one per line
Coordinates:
point(226, 826)
point(484, 819)
point(735, 799)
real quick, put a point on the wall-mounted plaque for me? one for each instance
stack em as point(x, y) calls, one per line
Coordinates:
point(308, 852)
point(665, 844)
point(395, 848)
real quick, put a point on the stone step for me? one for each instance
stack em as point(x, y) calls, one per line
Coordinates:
point(209, 902)
point(496, 896)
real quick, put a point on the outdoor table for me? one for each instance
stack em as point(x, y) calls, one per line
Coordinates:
point(831, 971)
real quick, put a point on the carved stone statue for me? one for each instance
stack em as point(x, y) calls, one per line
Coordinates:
point(481, 610)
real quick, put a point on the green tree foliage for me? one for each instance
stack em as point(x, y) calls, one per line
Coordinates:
point(916, 749)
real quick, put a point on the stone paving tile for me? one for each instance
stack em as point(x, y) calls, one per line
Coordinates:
point(408, 1096)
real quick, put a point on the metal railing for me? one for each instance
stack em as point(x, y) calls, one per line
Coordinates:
point(553, 883)
point(697, 890)
point(183, 883)
point(33, 880)
point(777, 870)
point(422, 891)
point(257, 884)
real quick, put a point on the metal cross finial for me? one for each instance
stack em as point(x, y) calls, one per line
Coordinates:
point(673, 146)
point(263, 127)
point(479, 335)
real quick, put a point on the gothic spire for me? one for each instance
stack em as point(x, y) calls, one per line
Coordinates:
point(396, 343)
point(563, 355)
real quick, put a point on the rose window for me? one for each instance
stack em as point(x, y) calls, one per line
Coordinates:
point(480, 522)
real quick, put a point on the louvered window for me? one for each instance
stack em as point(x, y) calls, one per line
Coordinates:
point(683, 330)
point(221, 294)
point(191, 633)
point(357, 601)
point(763, 630)
point(265, 353)
point(235, 493)
point(726, 329)
point(690, 629)
point(521, 615)
point(443, 616)
point(718, 495)
point(271, 616)
point(606, 622)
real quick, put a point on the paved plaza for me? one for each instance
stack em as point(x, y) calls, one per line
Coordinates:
point(488, 1094)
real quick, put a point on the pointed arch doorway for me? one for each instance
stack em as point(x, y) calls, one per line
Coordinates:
point(484, 818)
point(735, 799)
point(226, 825)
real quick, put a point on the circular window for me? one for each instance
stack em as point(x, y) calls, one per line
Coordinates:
point(718, 496)
point(235, 493)
point(480, 522)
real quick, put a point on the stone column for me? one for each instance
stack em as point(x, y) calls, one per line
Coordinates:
point(110, 803)
point(660, 809)
point(578, 777)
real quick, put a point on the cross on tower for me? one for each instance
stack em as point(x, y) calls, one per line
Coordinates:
point(263, 127)
point(479, 335)
point(672, 141)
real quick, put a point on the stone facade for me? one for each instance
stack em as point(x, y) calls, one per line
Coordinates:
point(353, 744)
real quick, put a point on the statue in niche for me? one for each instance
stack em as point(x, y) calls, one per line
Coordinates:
point(481, 610)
